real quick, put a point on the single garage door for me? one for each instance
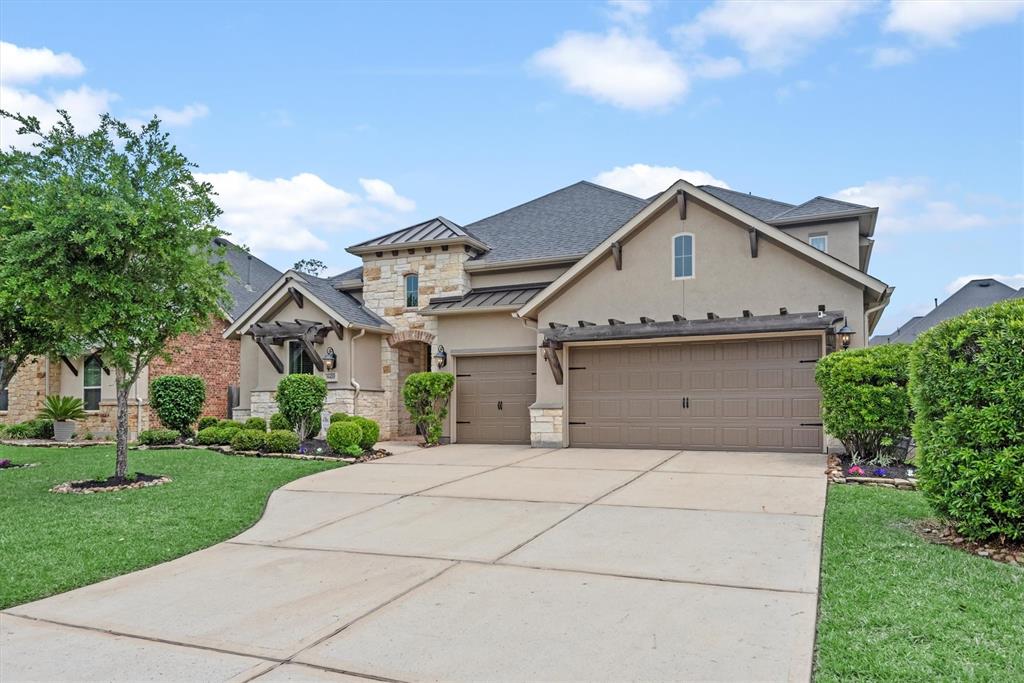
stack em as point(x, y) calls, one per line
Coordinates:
point(493, 395)
point(754, 394)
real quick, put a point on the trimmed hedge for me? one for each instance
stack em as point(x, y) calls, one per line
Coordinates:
point(967, 388)
point(207, 421)
point(178, 400)
point(865, 403)
point(158, 437)
point(426, 396)
point(282, 441)
point(229, 424)
point(255, 423)
point(370, 430)
point(249, 440)
point(216, 436)
point(343, 437)
point(278, 422)
point(301, 400)
point(340, 417)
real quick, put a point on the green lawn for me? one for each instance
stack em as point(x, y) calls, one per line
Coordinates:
point(897, 608)
point(50, 543)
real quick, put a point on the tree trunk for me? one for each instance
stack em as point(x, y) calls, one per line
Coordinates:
point(122, 423)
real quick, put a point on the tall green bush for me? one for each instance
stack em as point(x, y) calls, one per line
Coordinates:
point(301, 400)
point(370, 430)
point(865, 402)
point(967, 388)
point(426, 396)
point(178, 400)
point(343, 437)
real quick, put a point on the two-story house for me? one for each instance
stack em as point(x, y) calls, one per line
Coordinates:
point(587, 317)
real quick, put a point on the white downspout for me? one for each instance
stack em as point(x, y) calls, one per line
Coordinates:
point(352, 369)
point(882, 303)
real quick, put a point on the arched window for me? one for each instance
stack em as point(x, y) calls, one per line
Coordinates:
point(91, 379)
point(682, 256)
point(412, 290)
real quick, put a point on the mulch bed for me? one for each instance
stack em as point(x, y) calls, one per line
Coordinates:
point(18, 467)
point(49, 443)
point(139, 481)
point(1010, 552)
point(896, 476)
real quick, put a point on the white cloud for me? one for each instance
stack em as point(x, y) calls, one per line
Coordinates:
point(181, 117)
point(772, 33)
point(940, 22)
point(909, 205)
point(1016, 281)
point(642, 180)
point(891, 56)
point(628, 71)
point(713, 68)
point(628, 11)
point(291, 214)
point(27, 65)
point(384, 193)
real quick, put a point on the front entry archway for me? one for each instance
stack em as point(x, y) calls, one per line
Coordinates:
point(411, 353)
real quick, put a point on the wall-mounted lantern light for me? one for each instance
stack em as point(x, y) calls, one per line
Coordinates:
point(845, 333)
point(441, 356)
point(330, 360)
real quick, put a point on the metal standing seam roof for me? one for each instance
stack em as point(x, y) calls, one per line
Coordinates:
point(433, 230)
point(511, 296)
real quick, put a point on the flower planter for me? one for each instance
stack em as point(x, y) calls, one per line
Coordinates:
point(62, 431)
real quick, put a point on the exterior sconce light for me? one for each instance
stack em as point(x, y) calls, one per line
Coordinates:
point(845, 333)
point(330, 360)
point(441, 356)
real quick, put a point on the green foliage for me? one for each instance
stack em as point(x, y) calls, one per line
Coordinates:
point(178, 400)
point(967, 388)
point(865, 403)
point(354, 450)
point(340, 417)
point(255, 423)
point(301, 400)
point(371, 432)
point(311, 266)
point(158, 437)
point(216, 436)
point(249, 440)
point(282, 441)
point(63, 409)
point(229, 424)
point(278, 421)
point(426, 396)
point(343, 435)
point(207, 421)
point(40, 428)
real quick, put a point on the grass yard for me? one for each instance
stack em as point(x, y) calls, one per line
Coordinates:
point(50, 543)
point(897, 608)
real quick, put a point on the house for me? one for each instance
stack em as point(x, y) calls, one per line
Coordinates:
point(586, 317)
point(975, 294)
point(207, 354)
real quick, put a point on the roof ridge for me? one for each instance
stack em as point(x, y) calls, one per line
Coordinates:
point(841, 201)
point(749, 194)
point(612, 189)
point(548, 194)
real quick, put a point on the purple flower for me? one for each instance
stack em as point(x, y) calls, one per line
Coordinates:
point(881, 472)
point(5, 463)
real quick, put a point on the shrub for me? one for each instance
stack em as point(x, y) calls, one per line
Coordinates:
point(344, 435)
point(39, 428)
point(178, 400)
point(208, 436)
point(248, 440)
point(16, 431)
point(255, 423)
point(370, 429)
point(865, 402)
point(426, 396)
point(158, 437)
point(967, 388)
point(229, 424)
point(207, 421)
point(277, 422)
point(301, 400)
point(282, 441)
point(63, 409)
point(340, 417)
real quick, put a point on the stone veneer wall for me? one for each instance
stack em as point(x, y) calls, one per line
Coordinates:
point(545, 426)
point(27, 391)
point(370, 404)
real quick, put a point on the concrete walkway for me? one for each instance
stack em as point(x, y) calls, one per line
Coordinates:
point(471, 563)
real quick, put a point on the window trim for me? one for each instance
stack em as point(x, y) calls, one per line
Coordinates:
point(98, 387)
point(405, 289)
point(693, 256)
point(302, 354)
point(814, 235)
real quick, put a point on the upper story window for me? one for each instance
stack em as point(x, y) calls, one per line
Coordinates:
point(3, 392)
point(819, 241)
point(91, 380)
point(682, 256)
point(299, 362)
point(412, 290)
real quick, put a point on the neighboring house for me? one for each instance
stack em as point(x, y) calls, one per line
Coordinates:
point(586, 317)
point(975, 294)
point(207, 354)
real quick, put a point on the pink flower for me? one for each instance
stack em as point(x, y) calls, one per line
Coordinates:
point(855, 469)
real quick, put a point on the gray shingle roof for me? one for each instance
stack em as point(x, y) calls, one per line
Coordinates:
point(342, 303)
point(819, 206)
point(975, 294)
point(253, 277)
point(761, 208)
point(486, 297)
point(353, 275)
point(567, 222)
point(432, 230)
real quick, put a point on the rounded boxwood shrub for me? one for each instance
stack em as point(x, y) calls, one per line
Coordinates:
point(158, 437)
point(178, 400)
point(301, 400)
point(371, 432)
point(209, 436)
point(282, 441)
point(248, 440)
point(426, 396)
point(967, 388)
point(256, 423)
point(344, 436)
point(865, 402)
point(340, 417)
point(229, 424)
point(207, 421)
point(278, 421)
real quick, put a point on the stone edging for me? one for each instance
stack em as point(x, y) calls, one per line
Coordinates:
point(227, 450)
point(67, 487)
point(20, 467)
point(47, 443)
point(836, 476)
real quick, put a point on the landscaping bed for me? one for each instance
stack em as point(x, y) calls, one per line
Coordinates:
point(843, 470)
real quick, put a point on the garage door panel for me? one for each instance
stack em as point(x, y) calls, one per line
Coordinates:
point(493, 395)
point(803, 378)
point(735, 407)
point(735, 437)
point(807, 408)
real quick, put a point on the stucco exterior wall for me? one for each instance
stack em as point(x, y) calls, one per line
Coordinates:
point(464, 332)
point(843, 239)
point(516, 277)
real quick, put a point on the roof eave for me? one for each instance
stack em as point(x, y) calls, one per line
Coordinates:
point(469, 311)
point(361, 249)
point(520, 264)
point(834, 215)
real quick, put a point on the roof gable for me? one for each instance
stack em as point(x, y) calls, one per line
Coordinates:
point(758, 207)
point(433, 231)
point(252, 277)
point(818, 207)
point(975, 294)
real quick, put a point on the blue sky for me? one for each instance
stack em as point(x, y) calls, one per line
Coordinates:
point(323, 124)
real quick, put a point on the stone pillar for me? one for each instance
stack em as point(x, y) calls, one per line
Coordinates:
point(546, 425)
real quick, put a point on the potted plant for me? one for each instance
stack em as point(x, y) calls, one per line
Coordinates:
point(63, 410)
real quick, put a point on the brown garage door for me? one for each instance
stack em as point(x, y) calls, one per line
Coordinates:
point(738, 395)
point(492, 398)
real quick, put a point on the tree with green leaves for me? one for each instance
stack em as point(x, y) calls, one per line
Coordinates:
point(310, 266)
point(108, 237)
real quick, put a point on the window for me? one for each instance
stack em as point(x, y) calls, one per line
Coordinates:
point(682, 256)
point(819, 242)
point(91, 382)
point(299, 362)
point(412, 290)
point(3, 393)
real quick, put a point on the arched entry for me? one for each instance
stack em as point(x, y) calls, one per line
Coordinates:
point(412, 348)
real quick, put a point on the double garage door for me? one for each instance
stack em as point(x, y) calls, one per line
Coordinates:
point(756, 394)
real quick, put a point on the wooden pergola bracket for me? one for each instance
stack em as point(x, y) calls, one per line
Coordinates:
point(269, 353)
point(296, 296)
point(681, 201)
point(71, 366)
point(556, 365)
point(753, 243)
point(617, 254)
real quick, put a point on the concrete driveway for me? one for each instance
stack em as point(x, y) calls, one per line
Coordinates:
point(471, 563)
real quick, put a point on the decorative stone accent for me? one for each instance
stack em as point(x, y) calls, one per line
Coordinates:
point(27, 391)
point(370, 403)
point(546, 426)
point(73, 486)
